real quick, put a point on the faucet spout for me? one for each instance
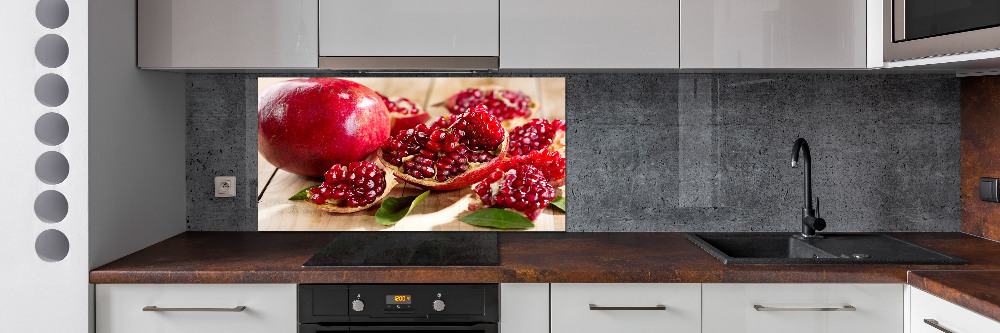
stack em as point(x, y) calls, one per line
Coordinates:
point(803, 146)
point(810, 222)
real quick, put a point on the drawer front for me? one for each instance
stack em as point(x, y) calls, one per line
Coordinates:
point(572, 311)
point(949, 316)
point(409, 28)
point(269, 308)
point(730, 308)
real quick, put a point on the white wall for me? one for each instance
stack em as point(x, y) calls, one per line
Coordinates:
point(125, 150)
point(137, 184)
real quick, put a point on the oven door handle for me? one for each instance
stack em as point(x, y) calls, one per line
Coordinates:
point(418, 327)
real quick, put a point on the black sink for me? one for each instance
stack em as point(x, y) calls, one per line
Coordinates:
point(788, 248)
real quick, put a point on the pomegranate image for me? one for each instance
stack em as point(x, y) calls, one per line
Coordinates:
point(306, 125)
point(522, 188)
point(538, 134)
point(404, 114)
point(512, 108)
point(551, 164)
point(351, 188)
point(451, 157)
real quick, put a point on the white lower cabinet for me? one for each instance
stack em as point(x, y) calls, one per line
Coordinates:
point(802, 308)
point(196, 308)
point(626, 307)
point(524, 308)
point(930, 314)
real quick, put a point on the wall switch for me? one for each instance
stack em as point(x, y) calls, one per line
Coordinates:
point(988, 189)
point(225, 186)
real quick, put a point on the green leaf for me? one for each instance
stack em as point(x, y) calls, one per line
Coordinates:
point(559, 203)
point(498, 218)
point(303, 194)
point(394, 209)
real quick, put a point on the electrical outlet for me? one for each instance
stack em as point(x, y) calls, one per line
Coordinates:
point(225, 186)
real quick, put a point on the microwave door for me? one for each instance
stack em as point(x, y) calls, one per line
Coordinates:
point(914, 29)
point(916, 19)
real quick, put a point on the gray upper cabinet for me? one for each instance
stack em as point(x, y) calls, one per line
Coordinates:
point(589, 34)
point(220, 34)
point(778, 34)
point(425, 28)
point(409, 34)
point(509, 34)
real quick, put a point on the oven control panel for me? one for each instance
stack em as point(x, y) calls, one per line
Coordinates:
point(398, 303)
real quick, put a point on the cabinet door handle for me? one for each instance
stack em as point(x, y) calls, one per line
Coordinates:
point(935, 324)
point(233, 309)
point(630, 308)
point(759, 307)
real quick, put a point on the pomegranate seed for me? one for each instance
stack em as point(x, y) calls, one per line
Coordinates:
point(350, 186)
point(401, 106)
point(503, 104)
point(537, 134)
point(522, 187)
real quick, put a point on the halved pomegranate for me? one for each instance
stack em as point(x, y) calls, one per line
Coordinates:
point(404, 114)
point(551, 164)
point(443, 122)
point(447, 158)
point(512, 108)
point(522, 188)
point(352, 188)
point(538, 134)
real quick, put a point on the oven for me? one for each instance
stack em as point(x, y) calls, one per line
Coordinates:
point(459, 308)
point(928, 28)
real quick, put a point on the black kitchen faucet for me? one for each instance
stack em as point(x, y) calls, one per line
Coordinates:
point(810, 222)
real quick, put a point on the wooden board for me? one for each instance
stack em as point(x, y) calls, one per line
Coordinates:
point(442, 209)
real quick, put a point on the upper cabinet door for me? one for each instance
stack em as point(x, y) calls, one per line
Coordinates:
point(774, 34)
point(227, 34)
point(409, 28)
point(589, 34)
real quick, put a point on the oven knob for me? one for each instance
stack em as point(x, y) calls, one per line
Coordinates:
point(438, 305)
point(358, 305)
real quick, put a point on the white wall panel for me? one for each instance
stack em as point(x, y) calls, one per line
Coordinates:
point(37, 294)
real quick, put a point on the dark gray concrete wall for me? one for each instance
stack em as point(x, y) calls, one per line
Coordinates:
point(683, 152)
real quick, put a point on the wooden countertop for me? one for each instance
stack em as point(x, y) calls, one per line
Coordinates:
point(277, 257)
point(978, 291)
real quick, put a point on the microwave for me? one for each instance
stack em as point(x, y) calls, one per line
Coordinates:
point(915, 29)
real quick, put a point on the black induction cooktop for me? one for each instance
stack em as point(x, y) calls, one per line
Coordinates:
point(434, 248)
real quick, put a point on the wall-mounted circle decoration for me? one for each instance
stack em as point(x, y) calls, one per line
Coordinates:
point(51, 50)
point(52, 167)
point(52, 245)
point(52, 13)
point(52, 129)
point(51, 206)
point(51, 90)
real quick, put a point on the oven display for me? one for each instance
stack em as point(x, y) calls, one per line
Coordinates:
point(397, 299)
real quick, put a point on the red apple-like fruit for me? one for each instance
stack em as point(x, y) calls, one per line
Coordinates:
point(306, 125)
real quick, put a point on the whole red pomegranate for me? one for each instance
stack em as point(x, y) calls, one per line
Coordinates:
point(306, 125)
point(447, 158)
